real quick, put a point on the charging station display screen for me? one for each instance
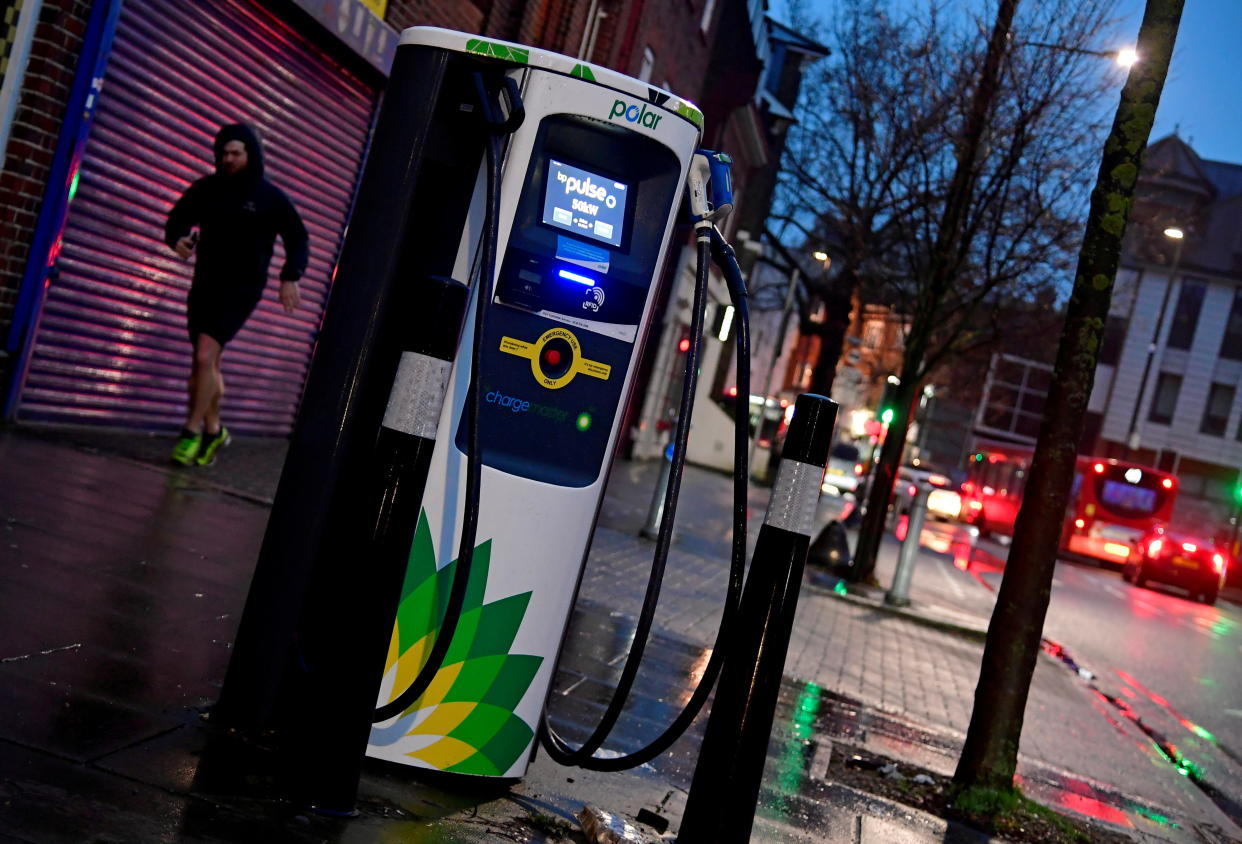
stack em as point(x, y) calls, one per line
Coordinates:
point(584, 203)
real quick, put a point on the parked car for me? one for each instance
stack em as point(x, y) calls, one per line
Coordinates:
point(845, 469)
point(1180, 559)
point(944, 502)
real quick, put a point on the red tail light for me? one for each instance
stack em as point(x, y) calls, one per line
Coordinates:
point(913, 490)
point(1189, 547)
point(1167, 483)
point(1099, 468)
point(1079, 523)
point(858, 469)
point(1153, 547)
point(1218, 563)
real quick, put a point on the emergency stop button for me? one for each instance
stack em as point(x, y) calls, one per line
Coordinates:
point(555, 358)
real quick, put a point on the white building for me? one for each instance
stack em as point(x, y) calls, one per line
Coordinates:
point(1167, 391)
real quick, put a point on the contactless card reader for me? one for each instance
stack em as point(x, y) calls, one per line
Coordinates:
point(592, 181)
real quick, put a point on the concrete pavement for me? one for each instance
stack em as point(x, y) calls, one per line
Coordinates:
point(124, 579)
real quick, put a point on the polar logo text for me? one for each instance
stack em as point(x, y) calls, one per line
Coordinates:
point(634, 114)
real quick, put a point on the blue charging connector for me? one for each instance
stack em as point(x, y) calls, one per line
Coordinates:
point(711, 186)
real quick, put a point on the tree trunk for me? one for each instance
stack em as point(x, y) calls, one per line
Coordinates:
point(990, 754)
point(838, 300)
point(944, 266)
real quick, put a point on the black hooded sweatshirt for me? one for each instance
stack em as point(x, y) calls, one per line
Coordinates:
point(238, 217)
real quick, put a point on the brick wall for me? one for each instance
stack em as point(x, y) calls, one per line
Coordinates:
point(32, 142)
point(460, 15)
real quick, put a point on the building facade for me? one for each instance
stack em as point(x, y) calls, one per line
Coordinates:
point(754, 77)
point(1168, 390)
point(107, 112)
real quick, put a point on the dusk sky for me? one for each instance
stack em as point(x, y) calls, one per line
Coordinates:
point(1202, 94)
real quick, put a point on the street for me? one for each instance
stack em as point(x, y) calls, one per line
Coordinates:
point(1158, 660)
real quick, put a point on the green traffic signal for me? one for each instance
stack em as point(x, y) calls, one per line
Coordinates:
point(886, 415)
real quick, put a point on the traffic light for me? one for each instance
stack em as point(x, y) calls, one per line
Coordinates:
point(683, 342)
point(888, 403)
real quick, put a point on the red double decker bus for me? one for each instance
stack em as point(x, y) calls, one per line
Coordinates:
point(1113, 503)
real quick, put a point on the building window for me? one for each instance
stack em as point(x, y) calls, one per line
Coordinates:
point(708, 8)
point(1216, 413)
point(1189, 301)
point(1164, 402)
point(1114, 339)
point(644, 72)
point(1231, 343)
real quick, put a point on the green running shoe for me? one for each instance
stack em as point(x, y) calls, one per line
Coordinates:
point(212, 444)
point(186, 448)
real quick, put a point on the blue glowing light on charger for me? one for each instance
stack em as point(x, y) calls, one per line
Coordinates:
point(581, 279)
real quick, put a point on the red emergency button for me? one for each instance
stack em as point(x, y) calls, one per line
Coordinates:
point(556, 357)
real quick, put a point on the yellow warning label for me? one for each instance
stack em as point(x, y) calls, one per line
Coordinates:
point(521, 348)
point(594, 369)
point(534, 353)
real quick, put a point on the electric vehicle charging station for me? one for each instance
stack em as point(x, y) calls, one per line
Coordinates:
point(592, 181)
point(436, 507)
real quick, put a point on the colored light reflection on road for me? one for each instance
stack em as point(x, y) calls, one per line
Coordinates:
point(1164, 704)
point(791, 765)
point(1152, 815)
point(1093, 808)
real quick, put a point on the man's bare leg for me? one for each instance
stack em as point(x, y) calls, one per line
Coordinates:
point(212, 419)
point(205, 382)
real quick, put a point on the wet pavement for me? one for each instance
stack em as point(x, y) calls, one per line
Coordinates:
point(122, 585)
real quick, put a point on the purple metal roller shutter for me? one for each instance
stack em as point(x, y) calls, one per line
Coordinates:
point(112, 345)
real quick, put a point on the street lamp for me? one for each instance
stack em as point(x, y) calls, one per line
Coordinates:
point(1178, 236)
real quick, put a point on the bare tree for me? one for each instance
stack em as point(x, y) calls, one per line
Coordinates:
point(948, 175)
point(862, 121)
point(984, 776)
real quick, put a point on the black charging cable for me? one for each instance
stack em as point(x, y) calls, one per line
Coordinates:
point(710, 245)
point(498, 125)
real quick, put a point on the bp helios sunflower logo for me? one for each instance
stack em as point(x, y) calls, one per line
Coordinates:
point(465, 721)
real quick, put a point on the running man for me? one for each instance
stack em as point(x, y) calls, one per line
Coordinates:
point(238, 214)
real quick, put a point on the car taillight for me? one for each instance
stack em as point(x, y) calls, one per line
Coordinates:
point(1167, 483)
point(1189, 547)
point(1080, 523)
point(913, 490)
point(1218, 563)
point(1099, 468)
point(858, 469)
point(1153, 547)
point(976, 505)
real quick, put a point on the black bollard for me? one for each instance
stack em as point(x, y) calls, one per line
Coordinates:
point(725, 789)
point(310, 644)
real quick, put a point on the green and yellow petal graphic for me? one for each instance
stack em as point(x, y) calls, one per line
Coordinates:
point(465, 718)
point(498, 51)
